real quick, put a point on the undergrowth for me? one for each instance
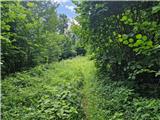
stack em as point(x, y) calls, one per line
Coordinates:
point(51, 91)
point(72, 90)
point(114, 100)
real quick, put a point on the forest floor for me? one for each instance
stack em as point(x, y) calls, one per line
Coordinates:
point(70, 90)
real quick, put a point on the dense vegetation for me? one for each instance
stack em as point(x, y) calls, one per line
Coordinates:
point(110, 100)
point(125, 38)
point(32, 33)
point(71, 90)
point(118, 79)
point(50, 91)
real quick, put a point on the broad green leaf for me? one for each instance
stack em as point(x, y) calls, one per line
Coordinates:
point(138, 36)
point(131, 40)
point(138, 42)
point(150, 43)
point(119, 35)
point(124, 36)
point(124, 18)
point(125, 42)
point(144, 37)
point(120, 39)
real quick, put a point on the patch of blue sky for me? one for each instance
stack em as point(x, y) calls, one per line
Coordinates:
point(66, 7)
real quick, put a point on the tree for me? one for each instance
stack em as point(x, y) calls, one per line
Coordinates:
point(29, 34)
point(63, 23)
point(124, 38)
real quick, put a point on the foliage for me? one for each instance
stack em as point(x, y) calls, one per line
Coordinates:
point(115, 101)
point(71, 90)
point(49, 91)
point(124, 37)
point(30, 34)
point(121, 38)
point(63, 23)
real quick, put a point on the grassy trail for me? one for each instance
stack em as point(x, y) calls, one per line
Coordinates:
point(56, 91)
point(71, 90)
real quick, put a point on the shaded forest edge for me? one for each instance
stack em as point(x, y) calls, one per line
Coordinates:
point(124, 38)
point(32, 33)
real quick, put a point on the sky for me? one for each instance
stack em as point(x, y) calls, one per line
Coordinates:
point(66, 7)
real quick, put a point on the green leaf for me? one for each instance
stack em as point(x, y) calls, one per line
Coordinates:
point(114, 33)
point(124, 18)
point(119, 35)
point(136, 49)
point(156, 9)
point(124, 36)
point(139, 109)
point(157, 74)
point(150, 43)
point(130, 20)
point(30, 4)
point(138, 42)
point(144, 37)
point(131, 40)
point(130, 45)
point(145, 116)
point(133, 77)
point(120, 39)
point(125, 42)
point(138, 36)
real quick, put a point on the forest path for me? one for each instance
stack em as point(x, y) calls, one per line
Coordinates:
point(91, 97)
point(54, 91)
point(87, 69)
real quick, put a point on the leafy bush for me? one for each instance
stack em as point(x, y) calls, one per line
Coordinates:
point(124, 36)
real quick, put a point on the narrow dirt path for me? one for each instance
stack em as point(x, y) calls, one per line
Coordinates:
point(89, 72)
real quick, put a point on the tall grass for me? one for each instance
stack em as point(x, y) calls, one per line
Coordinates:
point(72, 90)
point(51, 91)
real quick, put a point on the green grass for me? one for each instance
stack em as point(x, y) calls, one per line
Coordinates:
point(46, 92)
point(72, 90)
